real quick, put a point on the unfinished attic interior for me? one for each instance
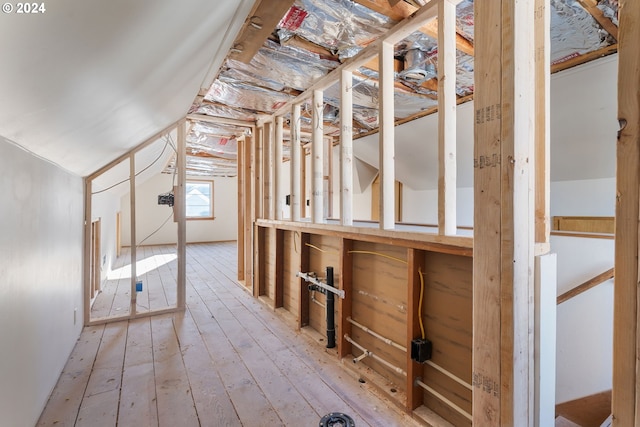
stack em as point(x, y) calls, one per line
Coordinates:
point(390, 212)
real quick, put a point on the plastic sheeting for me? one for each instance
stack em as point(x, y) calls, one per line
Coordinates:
point(341, 26)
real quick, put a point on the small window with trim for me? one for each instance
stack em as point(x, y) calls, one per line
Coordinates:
point(199, 198)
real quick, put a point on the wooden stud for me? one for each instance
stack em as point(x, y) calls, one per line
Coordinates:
point(181, 204)
point(277, 169)
point(259, 261)
point(259, 175)
point(625, 397)
point(267, 168)
point(327, 178)
point(86, 273)
point(296, 159)
point(447, 118)
point(386, 140)
point(542, 128)
point(346, 148)
point(241, 207)
point(250, 201)
point(503, 366)
point(415, 265)
point(345, 304)
point(303, 297)
point(134, 242)
point(279, 273)
point(317, 205)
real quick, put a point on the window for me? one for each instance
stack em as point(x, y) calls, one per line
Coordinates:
point(199, 199)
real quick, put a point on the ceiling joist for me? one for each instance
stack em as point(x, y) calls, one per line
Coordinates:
point(263, 19)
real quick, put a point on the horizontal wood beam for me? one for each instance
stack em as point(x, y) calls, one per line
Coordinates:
point(257, 28)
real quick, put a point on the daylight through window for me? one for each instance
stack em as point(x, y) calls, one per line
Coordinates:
point(199, 200)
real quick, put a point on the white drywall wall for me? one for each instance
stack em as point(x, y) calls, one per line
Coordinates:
point(150, 215)
point(41, 250)
point(421, 206)
point(592, 197)
point(105, 206)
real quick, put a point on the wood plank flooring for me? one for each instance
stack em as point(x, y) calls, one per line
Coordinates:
point(228, 360)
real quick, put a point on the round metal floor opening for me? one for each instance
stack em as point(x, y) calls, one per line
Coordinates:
point(337, 419)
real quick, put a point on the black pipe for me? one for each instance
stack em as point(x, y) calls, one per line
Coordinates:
point(331, 324)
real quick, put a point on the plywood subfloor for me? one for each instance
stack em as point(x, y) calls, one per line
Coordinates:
point(227, 361)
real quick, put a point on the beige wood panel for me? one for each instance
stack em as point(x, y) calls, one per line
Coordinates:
point(291, 266)
point(268, 286)
point(324, 251)
point(447, 314)
point(584, 224)
point(380, 303)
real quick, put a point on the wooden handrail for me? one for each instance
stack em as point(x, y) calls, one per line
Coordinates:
point(595, 281)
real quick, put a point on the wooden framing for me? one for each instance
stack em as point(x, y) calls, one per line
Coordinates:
point(447, 117)
point(277, 168)
point(181, 205)
point(317, 162)
point(296, 159)
point(242, 172)
point(249, 202)
point(542, 128)
point(267, 170)
point(346, 148)
point(503, 257)
point(386, 138)
point(626, 398)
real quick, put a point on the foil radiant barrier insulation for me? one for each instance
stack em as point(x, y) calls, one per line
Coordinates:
point(217, 110)
point(199, 166)
point(610, 9)
point(464, 19)
point(200, 129)
point(341, 26)
point(279, 67)
point(241, 95)
point(574, 31)
point(224, 148)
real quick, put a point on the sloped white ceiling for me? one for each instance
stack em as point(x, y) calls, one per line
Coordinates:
point(86, 81)
point(583, 130)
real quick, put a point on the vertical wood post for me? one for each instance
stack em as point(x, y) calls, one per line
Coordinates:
point(278, 300)
point(277, 169)
point(416, 264)
point(503, 318)
point(181, 204)
point(346, 148)
point(625, 399)
point(317, 172)
point(542, 128)
point(303, 299)
point(345, 304)
point(241, 207)
point(250, 201)
point(447, 117)
point(296, 158)
point(86, 273)
point(134, 243)
point(387, 141)
point(258, 164)
point(267, 167)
